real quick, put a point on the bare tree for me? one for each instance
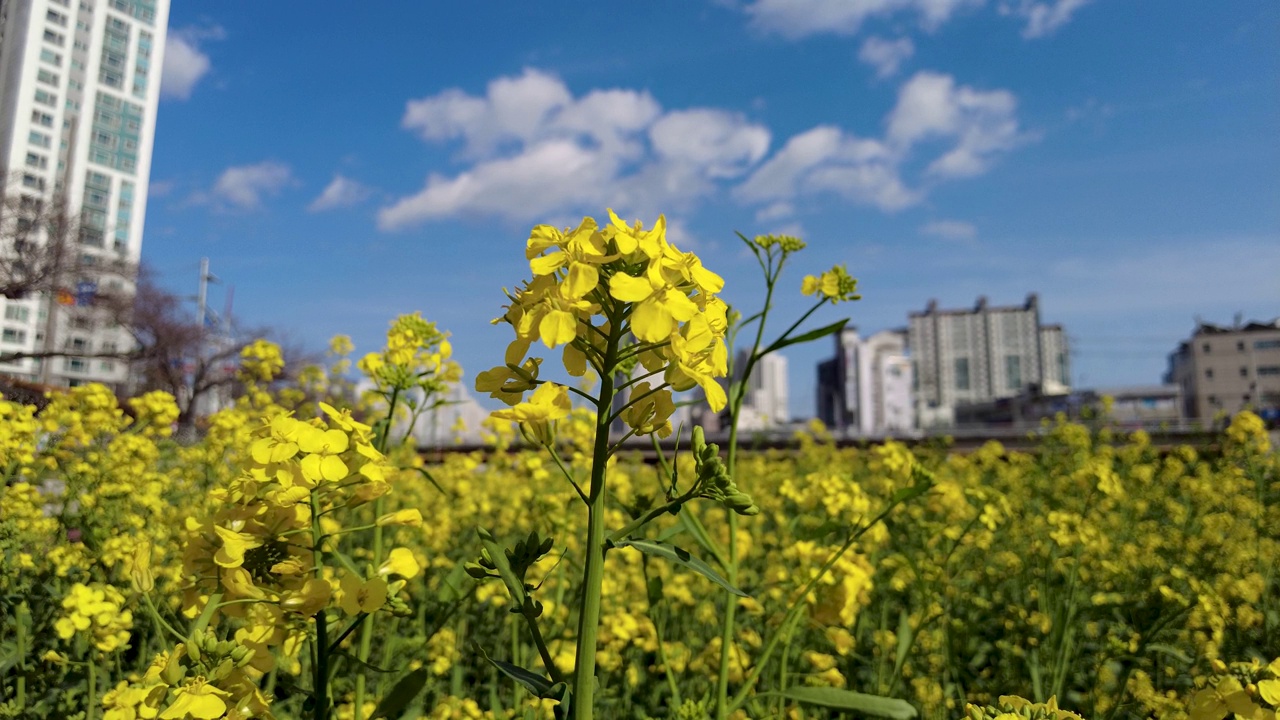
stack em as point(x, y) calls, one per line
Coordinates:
point(46, 251)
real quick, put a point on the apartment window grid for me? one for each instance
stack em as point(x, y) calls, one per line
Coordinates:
point(13, 336)
point(117, 127)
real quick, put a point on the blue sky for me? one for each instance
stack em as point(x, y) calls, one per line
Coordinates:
point(1120, 158)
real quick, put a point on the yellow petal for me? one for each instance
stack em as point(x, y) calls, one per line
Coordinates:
point(558, 327)
point(629, 289)
point(581, 280)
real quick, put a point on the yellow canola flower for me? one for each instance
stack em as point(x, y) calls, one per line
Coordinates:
point(322, 448)
point(835, 285)
point(650, 411)
point(362, 596)
point(400, 561)
point(411, 517)
point(549, 402)
point(197, 699)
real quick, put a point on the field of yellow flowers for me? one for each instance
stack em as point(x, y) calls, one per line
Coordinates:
point(301, 561)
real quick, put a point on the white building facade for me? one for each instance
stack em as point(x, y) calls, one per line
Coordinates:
point(79, 91)
point(865, 390)
point(766, 404)
point(981, 354)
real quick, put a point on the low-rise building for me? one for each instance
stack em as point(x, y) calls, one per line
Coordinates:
point(1226, 369)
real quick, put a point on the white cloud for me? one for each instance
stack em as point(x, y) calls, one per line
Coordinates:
point(184, 63)
point(982, 123)
point(1043, 17)
point(886, 56)
point(799, 18)
point(950, 229)
point(244, 186)
point(973, 126)
point(339, 193)
point(533, 149)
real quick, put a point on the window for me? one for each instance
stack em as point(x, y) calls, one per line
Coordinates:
point(75, 364)
point(107, 366)
point(56, 18)
point(1244, 372)
point(13, 336)
point(1208, 373)
point(31, 181)
point(39, 139)
point(47, 77)
point(1263, 370)
point(55, 38)
point(46, 98)
point(1240, 345)
point(1013, 372)
point(1213, 400)
point(1207, 348)
point(111, 79)
point(1266, 344)
point(51, 57)
point(17, 312)
point(42, 118)
point(39, 162)
point(962, 373)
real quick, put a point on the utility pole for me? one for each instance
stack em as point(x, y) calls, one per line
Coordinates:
point(202, 310)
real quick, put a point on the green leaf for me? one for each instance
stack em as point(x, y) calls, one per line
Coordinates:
point(535, 683)
point(451, 587)
point(848, 700)
point(499, 559)
point(821, 332)
point(432, 480)
point(394, 703)
point(818, 532)
point(680, 557)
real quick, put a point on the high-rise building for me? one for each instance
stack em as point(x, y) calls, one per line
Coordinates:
point(1225, 369)
point(765, 404)
point(866, 388)
point(79, 89)
point(981, 354)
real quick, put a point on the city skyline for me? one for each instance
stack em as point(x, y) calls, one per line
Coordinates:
point(1127, 178)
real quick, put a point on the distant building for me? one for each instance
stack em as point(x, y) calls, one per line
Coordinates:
point(766, 404)
point(981, 354)
point(79, 91)
point(1147, 406)
point(1228, 369)
point(866, 388)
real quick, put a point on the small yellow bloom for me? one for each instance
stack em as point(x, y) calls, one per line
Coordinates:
point(400, 561)
point(362, 596)
point(411, 517)
point(197, 699)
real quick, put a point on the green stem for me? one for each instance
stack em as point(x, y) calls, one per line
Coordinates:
point(366, 631)
point(593, 574)
point(23, 617)
point(729, 621)
point(91, 707)
point(320, 672)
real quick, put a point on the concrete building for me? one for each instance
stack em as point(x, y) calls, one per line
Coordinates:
point(866, 388)
point(1226, 369)
point(79, 89)
point(983, 353)
point(766, 404)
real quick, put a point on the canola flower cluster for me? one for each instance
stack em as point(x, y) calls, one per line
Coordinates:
point(302, 553)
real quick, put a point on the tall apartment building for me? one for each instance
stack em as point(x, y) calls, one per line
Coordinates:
point(1226, 369)
point(866, 388)
point(983, 353)
point(766, 403)
point(79, 89)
